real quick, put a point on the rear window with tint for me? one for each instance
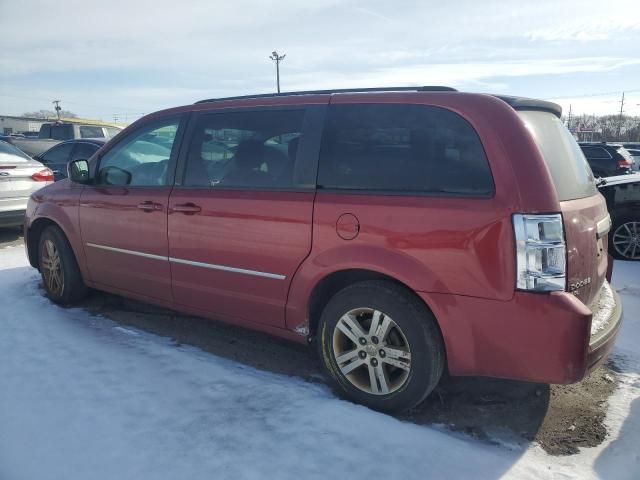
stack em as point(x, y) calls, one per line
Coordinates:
point(402, 149)
point(9, 153)
point(62, 132)
point(569, 169)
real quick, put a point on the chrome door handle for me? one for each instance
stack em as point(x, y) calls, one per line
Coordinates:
point(149, 206)
point(187, 208)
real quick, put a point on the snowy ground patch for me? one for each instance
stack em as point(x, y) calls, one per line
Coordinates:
point(85, 398)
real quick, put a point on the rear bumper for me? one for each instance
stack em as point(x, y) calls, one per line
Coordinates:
point(605, 324)
point(534, 337)
point(12, 218)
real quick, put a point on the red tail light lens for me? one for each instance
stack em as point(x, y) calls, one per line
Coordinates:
point(624, 163)
point(44, 175)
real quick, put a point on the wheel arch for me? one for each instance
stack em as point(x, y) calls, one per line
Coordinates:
point(37, 226)
point(33, 238)
point(333, 282)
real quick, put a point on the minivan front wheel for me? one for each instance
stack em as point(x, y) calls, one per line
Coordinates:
point(61, 276)
point(381, 346)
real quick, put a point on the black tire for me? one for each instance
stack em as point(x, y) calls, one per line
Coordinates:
point(417, 326)
point(619, 222)
point(73, 287)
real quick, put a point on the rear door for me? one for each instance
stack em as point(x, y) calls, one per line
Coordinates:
point(584, 210)
point(123, 215)
point(240, 220)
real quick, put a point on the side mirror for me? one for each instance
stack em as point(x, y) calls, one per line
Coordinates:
point(78, 171)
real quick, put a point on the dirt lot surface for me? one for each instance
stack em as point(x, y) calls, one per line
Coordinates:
point(560, 418)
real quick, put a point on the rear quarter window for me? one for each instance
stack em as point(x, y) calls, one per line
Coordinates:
point(569, 169)
point(402, 149)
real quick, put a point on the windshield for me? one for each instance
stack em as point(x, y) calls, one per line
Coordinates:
point(569, 169)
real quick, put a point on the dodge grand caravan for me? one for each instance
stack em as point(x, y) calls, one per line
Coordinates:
point(403, 231)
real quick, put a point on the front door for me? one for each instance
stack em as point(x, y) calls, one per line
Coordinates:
point(123, 215)
point(240, 222)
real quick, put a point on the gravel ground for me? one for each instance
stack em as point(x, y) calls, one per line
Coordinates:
point(560, 418)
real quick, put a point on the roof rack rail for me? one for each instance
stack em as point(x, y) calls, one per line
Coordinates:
point(435, 88)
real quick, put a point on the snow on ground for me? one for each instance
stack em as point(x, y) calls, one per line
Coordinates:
point(84, 398)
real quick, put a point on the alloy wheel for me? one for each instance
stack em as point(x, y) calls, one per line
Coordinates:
point(52, 268)
point(371, 351)
point(626, 240)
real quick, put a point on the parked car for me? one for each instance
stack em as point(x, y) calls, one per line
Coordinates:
point(56, 158)
point(622, 194)
point(402, 231)
point(20, 176)
point(53, 133)
point(607, 159)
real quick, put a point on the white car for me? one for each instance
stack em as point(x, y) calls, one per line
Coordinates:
point(20, 176)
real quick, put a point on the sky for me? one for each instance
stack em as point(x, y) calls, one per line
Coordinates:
point(125, 58)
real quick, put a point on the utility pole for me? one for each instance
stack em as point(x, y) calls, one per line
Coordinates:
point(569, 119)
point(57, 108)
point(277, 58)
point(620, 119)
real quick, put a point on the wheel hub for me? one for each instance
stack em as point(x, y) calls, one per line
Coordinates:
point(371, 350)
point(52, 267)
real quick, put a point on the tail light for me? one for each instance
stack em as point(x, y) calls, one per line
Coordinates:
point(540, 252)
point(624, 163)
point(44, 175)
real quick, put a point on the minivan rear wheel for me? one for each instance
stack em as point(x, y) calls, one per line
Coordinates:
point(61, 276)
point(380, 346)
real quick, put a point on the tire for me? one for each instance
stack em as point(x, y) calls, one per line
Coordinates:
point(624, 240)
point(56, 256)
point(405, 327)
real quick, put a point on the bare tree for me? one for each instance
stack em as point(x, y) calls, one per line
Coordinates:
point(50, 114)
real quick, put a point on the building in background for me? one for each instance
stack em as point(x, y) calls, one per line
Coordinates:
point(10, 124)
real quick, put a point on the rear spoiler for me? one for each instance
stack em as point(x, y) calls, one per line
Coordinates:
point(523, 103)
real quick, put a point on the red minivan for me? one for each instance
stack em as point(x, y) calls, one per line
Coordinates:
point(404, 231)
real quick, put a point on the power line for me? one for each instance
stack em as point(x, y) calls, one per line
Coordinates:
point(587, 95)
point(620, 118)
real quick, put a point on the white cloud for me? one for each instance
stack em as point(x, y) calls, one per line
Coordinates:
point(146, 55)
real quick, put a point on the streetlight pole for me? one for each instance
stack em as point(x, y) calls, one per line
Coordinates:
point(277, 58)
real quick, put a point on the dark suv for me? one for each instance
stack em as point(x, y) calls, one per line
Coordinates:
point(402, 231)
point(607, 159)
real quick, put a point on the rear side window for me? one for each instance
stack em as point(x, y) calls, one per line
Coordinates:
point(58, 154)
point(595, 152)
point(569, 169)
point(402, 149)
point(84, 151)
point(91, 132)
